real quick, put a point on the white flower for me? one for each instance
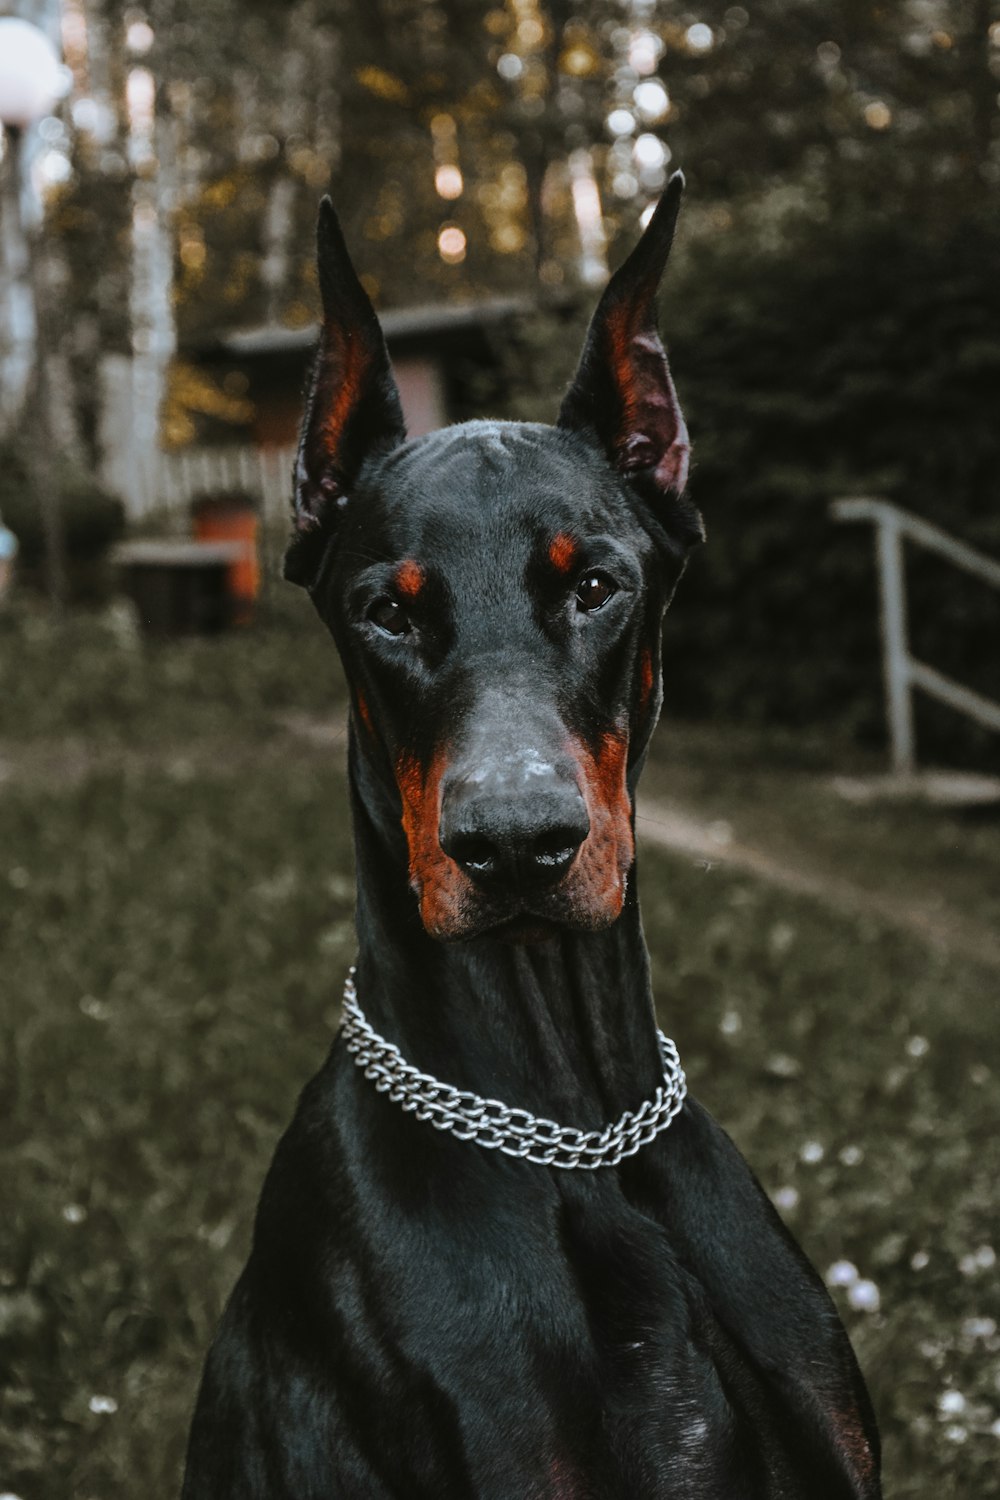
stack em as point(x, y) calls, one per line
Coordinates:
point(864, 1296)
point(842, 1273)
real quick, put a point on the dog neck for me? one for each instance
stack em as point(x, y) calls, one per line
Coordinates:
point(563, 1027)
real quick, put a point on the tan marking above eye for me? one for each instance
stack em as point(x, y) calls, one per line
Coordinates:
point(409, 578)
point(562, 552)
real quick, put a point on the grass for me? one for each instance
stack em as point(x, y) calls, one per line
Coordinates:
point(91, 681)
point(176, 983)
point(857, 1071)
point(175, 920)
point(775, 790)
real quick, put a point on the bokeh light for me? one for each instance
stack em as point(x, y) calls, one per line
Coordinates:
point(621, 122)
point(699, 37)
point(579, 61)
point(52, 169)
point(510, 66)
point(651, 100)
point(624, 185)
point(530, 32)
point(140, 94)
point(451, 244)
point(140, 37)
point(878, 116)
point(650, 151)
point(448, 181)
point(645, 51)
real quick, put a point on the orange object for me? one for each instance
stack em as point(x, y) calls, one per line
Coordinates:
point(230, 518)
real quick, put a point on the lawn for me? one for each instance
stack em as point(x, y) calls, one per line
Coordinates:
point(175, 921)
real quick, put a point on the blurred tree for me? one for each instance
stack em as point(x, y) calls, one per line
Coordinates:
point(841, 108)
point(477, 147)
point(533, 130)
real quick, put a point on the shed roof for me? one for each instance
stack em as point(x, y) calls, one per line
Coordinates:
point(400, 324)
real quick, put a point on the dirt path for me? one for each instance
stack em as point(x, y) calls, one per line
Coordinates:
point(676, 829)
point(665, 825)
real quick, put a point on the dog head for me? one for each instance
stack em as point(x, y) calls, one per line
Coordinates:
point(496, 591)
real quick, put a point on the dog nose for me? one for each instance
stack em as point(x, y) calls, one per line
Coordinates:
point(526, 842)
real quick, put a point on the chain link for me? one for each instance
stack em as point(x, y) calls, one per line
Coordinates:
point(500, 1127)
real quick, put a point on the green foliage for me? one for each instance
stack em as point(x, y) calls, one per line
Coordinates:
point(861, 362)
point(856, 358)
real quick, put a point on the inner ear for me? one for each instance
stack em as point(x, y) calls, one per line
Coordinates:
point(623, 392)
point(353, 410)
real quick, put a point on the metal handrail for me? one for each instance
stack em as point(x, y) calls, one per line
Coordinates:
point(903, 672)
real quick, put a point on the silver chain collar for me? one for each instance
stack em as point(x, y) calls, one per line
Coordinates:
point(498, 1127)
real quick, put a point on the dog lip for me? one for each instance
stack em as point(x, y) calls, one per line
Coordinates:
point(521, 926)
point(526, 929)
point(546, 916)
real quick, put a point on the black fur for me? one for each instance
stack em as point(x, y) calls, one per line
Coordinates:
point(421, 1318)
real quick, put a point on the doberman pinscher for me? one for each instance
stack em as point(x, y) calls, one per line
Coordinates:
point(504, 1307)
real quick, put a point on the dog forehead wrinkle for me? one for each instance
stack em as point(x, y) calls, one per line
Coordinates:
point(479, 468)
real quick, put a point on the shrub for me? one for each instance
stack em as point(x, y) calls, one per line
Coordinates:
point(857, 359)
point(91, 518)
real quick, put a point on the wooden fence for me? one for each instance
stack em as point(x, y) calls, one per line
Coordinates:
point(264, 474)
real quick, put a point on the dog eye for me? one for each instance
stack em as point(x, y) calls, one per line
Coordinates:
point(389, 616)
point(593, 591)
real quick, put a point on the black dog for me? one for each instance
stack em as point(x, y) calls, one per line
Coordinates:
point(423, 1317)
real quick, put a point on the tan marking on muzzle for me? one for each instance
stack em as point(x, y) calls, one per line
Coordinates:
point(595, 885)
point(443, 890)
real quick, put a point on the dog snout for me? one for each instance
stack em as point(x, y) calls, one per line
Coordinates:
point(516, 825)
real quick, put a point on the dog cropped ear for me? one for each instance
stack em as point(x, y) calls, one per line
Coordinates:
point(622, 391)
point(352, 409)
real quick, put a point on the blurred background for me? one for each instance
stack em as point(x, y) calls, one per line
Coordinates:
point(820, 833)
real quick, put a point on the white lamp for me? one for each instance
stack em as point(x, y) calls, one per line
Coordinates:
point(31, 77)
point(31, 80)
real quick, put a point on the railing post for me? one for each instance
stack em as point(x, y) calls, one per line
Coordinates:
point(902, 671)
point(895, 654)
